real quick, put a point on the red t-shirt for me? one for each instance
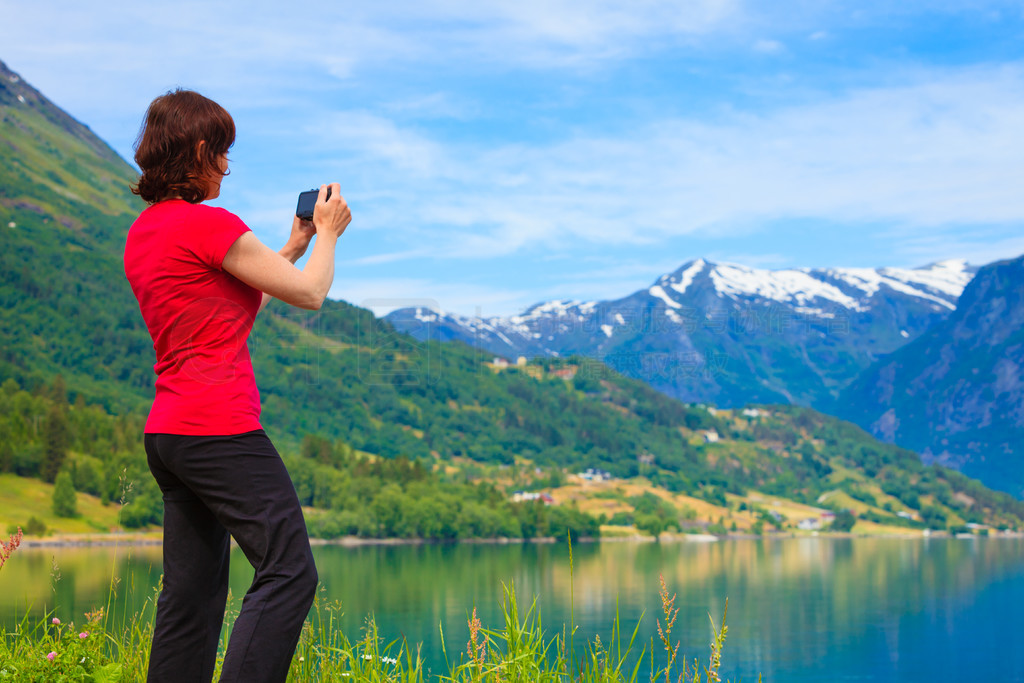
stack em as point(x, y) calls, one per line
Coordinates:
point(199, 317)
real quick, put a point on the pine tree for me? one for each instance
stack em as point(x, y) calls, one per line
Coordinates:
point(59, 390)
point(65, 500)
point(57, 439)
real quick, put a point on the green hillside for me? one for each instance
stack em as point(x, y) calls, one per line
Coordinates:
point(65, 207)
point(343, 392)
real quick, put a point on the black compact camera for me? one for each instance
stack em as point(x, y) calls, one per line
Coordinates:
point(307, 200)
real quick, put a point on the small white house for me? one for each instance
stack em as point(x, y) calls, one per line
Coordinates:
point(594, 474)
point(527, 496)
point(711, 436)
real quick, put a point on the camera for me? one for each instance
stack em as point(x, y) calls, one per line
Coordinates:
point(307, 200)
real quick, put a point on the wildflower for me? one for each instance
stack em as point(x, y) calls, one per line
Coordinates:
point(476, 651)
point(367, 656)
point(56, 621)
point(52, 656)
point(83, 635)
point(7, 548)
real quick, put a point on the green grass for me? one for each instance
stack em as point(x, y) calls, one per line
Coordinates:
point(518, 649)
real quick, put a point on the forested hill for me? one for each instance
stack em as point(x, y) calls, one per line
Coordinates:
point(66, 310)
point(65, 207)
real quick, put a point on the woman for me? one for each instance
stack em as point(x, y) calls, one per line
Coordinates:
point(201, 276)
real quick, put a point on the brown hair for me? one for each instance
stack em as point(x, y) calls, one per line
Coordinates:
point(167, 149)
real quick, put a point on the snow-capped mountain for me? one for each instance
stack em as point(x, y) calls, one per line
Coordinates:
point(727, 333)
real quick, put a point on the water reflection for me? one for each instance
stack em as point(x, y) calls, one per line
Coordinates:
point(807, 609)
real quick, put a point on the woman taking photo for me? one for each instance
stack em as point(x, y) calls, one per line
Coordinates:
point(201, 276)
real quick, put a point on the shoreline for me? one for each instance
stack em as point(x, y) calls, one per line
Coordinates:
point(153, 538)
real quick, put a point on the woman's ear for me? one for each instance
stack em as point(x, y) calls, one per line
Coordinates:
point(200, 148)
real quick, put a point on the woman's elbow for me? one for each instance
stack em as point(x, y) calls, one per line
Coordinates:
point(313, 301)
point(310, 298)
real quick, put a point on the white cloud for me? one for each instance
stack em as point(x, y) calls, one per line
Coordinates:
point(232, 47)
point(769, 47)
point(941, 149)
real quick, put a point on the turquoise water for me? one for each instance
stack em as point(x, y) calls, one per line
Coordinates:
point(807, 609)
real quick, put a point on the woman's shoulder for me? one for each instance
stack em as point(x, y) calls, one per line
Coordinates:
point(215, 213)
point(207, 210)
point(198, 216)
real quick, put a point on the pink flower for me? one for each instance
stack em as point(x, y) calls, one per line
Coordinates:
point(56, 621)
point(83, 635)
point(51, 656)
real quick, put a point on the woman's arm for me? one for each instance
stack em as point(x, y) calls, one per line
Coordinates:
point(301, 235)
point(275, 274)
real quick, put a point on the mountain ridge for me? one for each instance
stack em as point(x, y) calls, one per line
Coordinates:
point(724, 333)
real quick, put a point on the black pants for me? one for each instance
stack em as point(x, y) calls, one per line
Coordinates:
point(216, 487)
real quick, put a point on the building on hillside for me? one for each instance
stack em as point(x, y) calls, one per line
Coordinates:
point(527, 496)
point(594, 474)
point(753, 412)
point(565, 373)
point(711, 436)
point(534, 371)
point(809, 524)
point(499, 362)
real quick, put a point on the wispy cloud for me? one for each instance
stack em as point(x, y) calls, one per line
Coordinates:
point(769, 47)
point(942, 148)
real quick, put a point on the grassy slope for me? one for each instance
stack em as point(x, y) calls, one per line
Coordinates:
point(22, 498)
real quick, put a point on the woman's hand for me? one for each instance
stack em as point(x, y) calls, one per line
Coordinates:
point(298, 240)
point(331, 216)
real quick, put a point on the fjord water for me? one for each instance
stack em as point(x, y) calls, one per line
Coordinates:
point(800, 609)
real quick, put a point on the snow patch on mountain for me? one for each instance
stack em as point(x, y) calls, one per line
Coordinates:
point(659, 293)
point(949, 277)
point(794, 287)
point(686, 277)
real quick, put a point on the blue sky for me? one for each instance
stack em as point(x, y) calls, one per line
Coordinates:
point(499, 153)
